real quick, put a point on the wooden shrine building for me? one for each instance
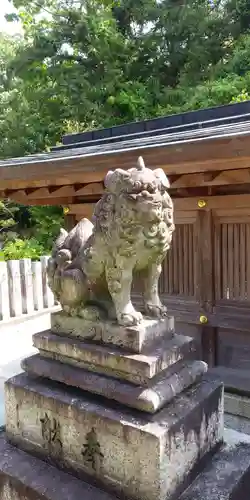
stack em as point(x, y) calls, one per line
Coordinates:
point(206, 154)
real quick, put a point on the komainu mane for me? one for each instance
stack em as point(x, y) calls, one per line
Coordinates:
point(94, 264)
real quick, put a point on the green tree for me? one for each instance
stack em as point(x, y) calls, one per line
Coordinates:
point(93, 63)
point(7, 216)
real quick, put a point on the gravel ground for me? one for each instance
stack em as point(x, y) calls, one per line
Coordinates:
point(16, 344)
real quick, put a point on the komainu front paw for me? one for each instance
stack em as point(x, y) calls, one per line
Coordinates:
point(132, 318)
point(155, 310)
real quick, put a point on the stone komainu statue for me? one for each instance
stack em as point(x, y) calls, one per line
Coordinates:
point(132, 228)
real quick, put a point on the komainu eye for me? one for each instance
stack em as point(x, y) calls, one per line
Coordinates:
point(137, 187)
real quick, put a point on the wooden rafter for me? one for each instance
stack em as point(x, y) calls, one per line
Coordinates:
point(210, 176)
point(40, 193)
point(225, 177)
point(19, 196)
point(63, 191)
point(174, 178)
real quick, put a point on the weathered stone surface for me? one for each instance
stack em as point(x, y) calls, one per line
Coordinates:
point(131, 232)
point(137, 339)
point(146, 457)
point(227, 477)
point(161, 390)
point(23, 477)
point(237, 405)
point(136, 368)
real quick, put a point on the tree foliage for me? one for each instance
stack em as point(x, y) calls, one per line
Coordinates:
point(7, 216)
point(84, 64)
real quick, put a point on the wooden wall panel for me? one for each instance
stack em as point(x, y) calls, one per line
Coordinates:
point(233, 349)
point(178, 276)
point(232, 260)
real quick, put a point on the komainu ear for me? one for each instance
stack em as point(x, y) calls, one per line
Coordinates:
point(161, 176)
point(114, 180)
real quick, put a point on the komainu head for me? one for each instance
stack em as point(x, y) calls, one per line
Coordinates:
point(142, 192)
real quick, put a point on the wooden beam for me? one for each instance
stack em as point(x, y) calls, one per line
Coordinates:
point(181, 205)
point(184, 216)
point(213, 202)
point(82, 210)
point(43, 201)
point(95, 188)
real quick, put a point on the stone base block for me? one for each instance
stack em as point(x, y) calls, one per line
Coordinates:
point(134, 338)
point(149, 399)
point(143, 456)
point(24, 477)
point(138, 369)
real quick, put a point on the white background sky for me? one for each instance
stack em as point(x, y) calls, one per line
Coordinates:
point(5, 8)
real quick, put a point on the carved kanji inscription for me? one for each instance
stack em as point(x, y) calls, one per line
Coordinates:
point(91, 451)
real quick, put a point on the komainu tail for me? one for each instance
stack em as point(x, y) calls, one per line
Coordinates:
point(53, 266)
point(66, 249)
point(59, 242)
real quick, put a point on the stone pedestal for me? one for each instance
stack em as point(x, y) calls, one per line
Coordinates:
point(138, 419)
point(138, 415)
point(147, 458)
point(127, 409)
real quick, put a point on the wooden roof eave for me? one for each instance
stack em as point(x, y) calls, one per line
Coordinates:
point(87, 165)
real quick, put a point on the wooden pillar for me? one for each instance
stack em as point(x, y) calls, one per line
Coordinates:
point(69, 221)
point(206, 284)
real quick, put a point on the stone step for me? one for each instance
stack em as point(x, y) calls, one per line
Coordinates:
point(24, 477)
point(227, 477)
point(161, 391)
point(138, 369)
point(147, 457)
point(138, 339)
